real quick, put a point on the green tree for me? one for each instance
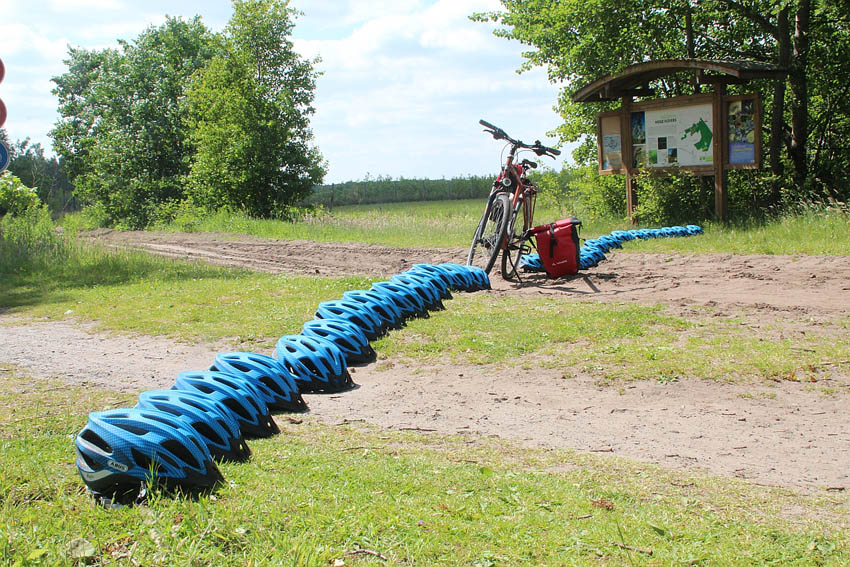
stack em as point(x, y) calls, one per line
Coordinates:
point(248, 116)
point(121, 128)
point(578, 41)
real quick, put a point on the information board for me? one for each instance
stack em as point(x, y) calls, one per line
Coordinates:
point(672, 137)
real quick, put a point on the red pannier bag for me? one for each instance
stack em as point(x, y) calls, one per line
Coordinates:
point(558, 245)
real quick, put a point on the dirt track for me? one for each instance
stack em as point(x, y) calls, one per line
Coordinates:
point(783, 434)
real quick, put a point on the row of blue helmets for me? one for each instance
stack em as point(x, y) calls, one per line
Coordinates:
point(593, 250)
point(175, 437)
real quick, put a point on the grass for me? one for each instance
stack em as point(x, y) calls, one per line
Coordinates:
point(612, 341)
point(317, 494)
point(138, 292)
point(436, 224)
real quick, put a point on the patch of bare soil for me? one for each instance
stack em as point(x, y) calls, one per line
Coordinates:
point(785, 434)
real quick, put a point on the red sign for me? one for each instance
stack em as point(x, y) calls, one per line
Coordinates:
point(2, 106)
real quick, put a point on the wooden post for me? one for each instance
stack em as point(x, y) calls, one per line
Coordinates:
point(628, 155)
point(721, 181)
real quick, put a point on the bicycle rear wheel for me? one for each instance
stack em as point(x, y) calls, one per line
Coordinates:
point(517, 244)
point(490, 234)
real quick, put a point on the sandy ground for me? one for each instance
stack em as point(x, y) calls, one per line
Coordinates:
point(783, 433)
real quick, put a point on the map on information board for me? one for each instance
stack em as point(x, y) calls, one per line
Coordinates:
point(675, 137)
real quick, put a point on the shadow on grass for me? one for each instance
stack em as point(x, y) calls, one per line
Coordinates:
point(51, 278)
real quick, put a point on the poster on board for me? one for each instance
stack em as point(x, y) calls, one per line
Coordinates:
point(674, 137)
point(611, 144)
point(741, 121)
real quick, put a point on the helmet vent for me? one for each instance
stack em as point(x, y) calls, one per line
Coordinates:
point(168, 409)
point(237, 408)
point(271, 384)
point(159, 419)
point(92, 464)
point(208, 432)
point(240, 367)
point(134, 429)
point(194, 404)
point(96, 440)
point(226, 382)
point(181, 452)
point(144, 461)
point(203, 388)
point(311, 366)
point(223, 425)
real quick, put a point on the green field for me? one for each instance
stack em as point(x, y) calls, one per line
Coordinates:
point(451, 224)
point(354, 495)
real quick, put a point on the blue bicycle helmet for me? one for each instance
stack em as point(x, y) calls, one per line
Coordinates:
point(216, 424)
point(596, 253)
point(275, 383)
point(355, 312)
point(427, 291)
point(386, 310)
point(407, 300)
point(587, 261)
point(347, 336)
point(437, 272)
point(610, 241)
point(434, 280)
point(317, 364)
point(481, 278)
point(120, 450)
point(236, 394)
point(531, 263)
point(693, 229)
point(463, 277)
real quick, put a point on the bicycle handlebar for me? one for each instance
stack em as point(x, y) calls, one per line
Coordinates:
point(537, 147)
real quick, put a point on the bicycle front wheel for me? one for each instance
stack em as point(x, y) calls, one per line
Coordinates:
point(490, 234)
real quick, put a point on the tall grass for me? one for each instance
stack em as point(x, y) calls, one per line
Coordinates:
point(29, 241)
point(440, 224)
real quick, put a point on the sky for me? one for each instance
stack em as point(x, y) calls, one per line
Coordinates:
point(403, 83)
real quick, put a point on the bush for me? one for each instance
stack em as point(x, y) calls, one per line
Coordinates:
point(600, 197)
point(677, 197)
point(29, 240)
point(15, 197)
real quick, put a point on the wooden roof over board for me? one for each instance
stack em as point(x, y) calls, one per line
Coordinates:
point(634, 80)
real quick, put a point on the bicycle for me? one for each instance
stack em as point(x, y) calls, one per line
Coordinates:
point(512, 192)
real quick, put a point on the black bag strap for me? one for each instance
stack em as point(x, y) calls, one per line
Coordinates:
point(552, 241)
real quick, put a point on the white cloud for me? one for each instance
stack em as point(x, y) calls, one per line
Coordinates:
point(19, 39)
point(413, 83)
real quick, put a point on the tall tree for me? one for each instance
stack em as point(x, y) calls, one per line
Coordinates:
point(248, 116)
point(579, 41)
point(121, 127)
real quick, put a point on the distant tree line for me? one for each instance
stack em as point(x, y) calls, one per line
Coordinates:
point(390, 190)
point(182, 115)
point(46, 174)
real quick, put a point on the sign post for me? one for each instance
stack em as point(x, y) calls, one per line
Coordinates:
point(2, 106)
point(5, 155)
